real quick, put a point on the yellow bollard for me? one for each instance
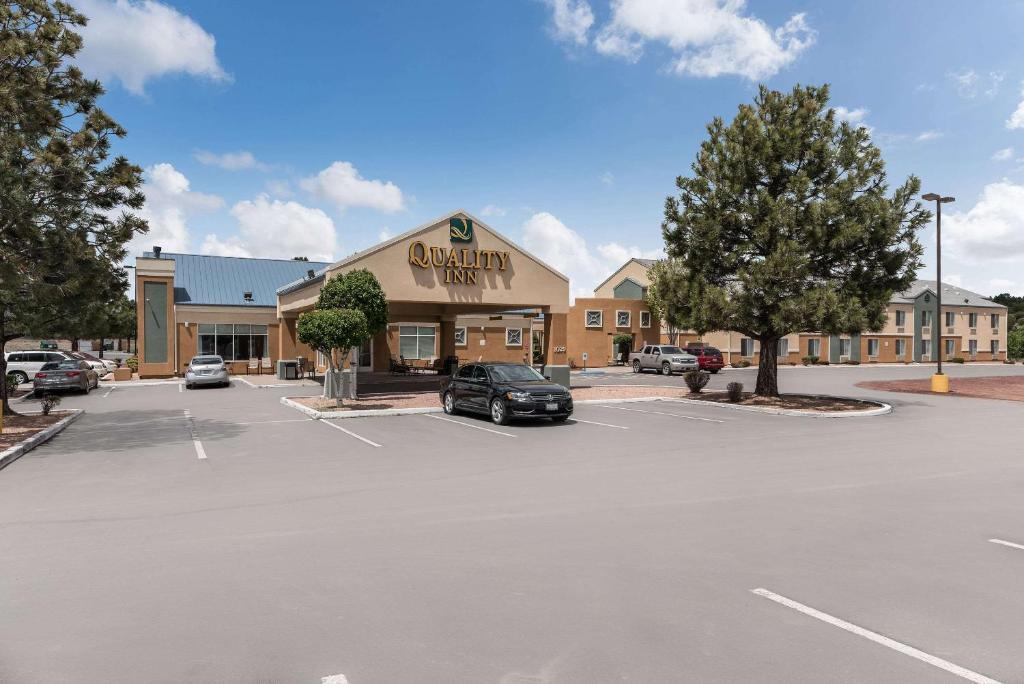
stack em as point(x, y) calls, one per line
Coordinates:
point(940, 383)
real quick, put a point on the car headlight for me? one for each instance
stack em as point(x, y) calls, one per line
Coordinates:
point(518, 396)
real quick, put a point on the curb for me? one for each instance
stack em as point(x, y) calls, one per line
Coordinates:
point(15, 452)
point(365, 413)
point(881, 410)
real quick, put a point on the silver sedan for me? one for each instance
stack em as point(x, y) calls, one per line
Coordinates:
point(206, 370)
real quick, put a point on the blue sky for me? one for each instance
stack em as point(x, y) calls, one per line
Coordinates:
point(562, 123)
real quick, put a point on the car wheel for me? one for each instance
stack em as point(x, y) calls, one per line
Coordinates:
point(714, 371)
point(636, 366)
point(22, 378)
point(499, 412)
point(559, 419)
point(448, 403)
point(188, 386)
point(87, 388)
point(666, 368)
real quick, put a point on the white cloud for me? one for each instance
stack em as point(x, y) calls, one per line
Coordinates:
point(925, 136)
point(993, 229)
point(570, 20)
point(1016, 119)
point(384, 235)
point(954, 279)
point(169, 204)
point(341, 184)
point(567, 251)
point(279, 188)
point(968, 81)
point(708, 37)
point(493, 210)
point(607, 179)
point(855, 117)
point(275, 229)
point(1004, 154)
point(138, 41)
point(231, 161)
point(999, 285)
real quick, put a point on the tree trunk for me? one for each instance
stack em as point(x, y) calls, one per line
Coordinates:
point(5, 404)
point(767, 368)
point(74, 344)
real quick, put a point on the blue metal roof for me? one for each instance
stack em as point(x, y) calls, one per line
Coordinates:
point(223, 281)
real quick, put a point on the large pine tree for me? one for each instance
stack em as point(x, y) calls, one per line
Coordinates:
point(787, 225)
point(65, 207)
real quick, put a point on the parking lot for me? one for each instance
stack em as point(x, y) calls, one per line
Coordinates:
point(217, 536)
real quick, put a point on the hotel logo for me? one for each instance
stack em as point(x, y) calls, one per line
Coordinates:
point(460, 229)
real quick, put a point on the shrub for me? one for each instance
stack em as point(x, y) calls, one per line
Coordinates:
point(810, 360)
point(735, 391)
point(851, 362)
point(48, 402)
point(956, 359)
point(12, 384)
point(133, 363)
point(1009, 362)
point(696, 381)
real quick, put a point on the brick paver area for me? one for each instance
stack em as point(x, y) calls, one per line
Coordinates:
point(1010, 388)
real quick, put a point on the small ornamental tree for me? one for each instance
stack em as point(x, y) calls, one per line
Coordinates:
point(787, 224)
point(1015, 343)
point(327, 330)
point(361, 291)
point(665, 294)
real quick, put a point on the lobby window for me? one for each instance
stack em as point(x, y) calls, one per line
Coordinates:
point(594, 318)
point(460, 337)
point(234, 341)
point(995, 321)
point(926, 319)
point(645, 319)
point(513, 337)
point(972, 347)
point(972, 320)
point(416, 341)
point(844, 346)
point(901, 318)
point(622, 319)
point(746, 347)
point(873, 347)
point(950, 348)
point(994, 347)
point(814, 347)
point(950, 319)
point(901, 348)
point(784, 347)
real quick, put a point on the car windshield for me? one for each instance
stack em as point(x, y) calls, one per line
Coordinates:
point(671, 350)
point(712, 351)
point(50, 365)
point(207, 361)
point(68, 364)
point(514, 373)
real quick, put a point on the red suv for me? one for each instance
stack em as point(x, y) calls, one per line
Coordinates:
point(708, 358)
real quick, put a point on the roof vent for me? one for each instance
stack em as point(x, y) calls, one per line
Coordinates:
point(310, 274)
point(156, 251)
point(247, 296)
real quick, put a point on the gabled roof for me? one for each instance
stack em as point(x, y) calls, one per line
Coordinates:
point(300, 283)
point(646, 263)
point(223, 281)
point(951, 295)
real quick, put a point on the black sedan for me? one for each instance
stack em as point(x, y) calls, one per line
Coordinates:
point(505, 391)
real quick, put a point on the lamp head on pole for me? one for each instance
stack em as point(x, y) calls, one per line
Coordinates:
point(933, 197)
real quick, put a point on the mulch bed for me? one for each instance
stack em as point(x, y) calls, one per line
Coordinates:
point(18, 428)
point(797, 402)
point(1009, 388)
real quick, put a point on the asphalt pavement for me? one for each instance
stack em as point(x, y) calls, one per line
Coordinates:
point(215, 535)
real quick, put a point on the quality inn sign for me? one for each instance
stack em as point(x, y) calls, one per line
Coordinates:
point(460, 265)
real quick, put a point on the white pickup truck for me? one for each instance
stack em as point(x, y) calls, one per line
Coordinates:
point(665, 358)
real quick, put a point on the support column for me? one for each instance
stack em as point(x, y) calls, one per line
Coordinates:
point(287, 339)
point(556, 358)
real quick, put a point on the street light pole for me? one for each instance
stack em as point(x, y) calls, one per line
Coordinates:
point(940, 383)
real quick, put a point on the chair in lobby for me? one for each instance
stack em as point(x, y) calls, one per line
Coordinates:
point(254, 365)
point(265, 364)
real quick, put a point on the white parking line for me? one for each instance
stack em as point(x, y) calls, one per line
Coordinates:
point(108, 392)
point(267, 422)
point(877, 638)
point(594, 422)
point(200, 451)
point(181, 387)
point(349, 433)
point(1003, 542)
point(334, 679)
point(660, 413)
point(469, 425)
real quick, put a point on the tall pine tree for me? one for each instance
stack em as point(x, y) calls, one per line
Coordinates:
point(787, 225)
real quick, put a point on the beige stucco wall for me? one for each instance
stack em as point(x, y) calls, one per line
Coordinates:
point(523, 282)
point(631, 269)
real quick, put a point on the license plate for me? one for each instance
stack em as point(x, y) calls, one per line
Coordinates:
point(551, 406)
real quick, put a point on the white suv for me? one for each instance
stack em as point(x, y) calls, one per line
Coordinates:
point(25, 364)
